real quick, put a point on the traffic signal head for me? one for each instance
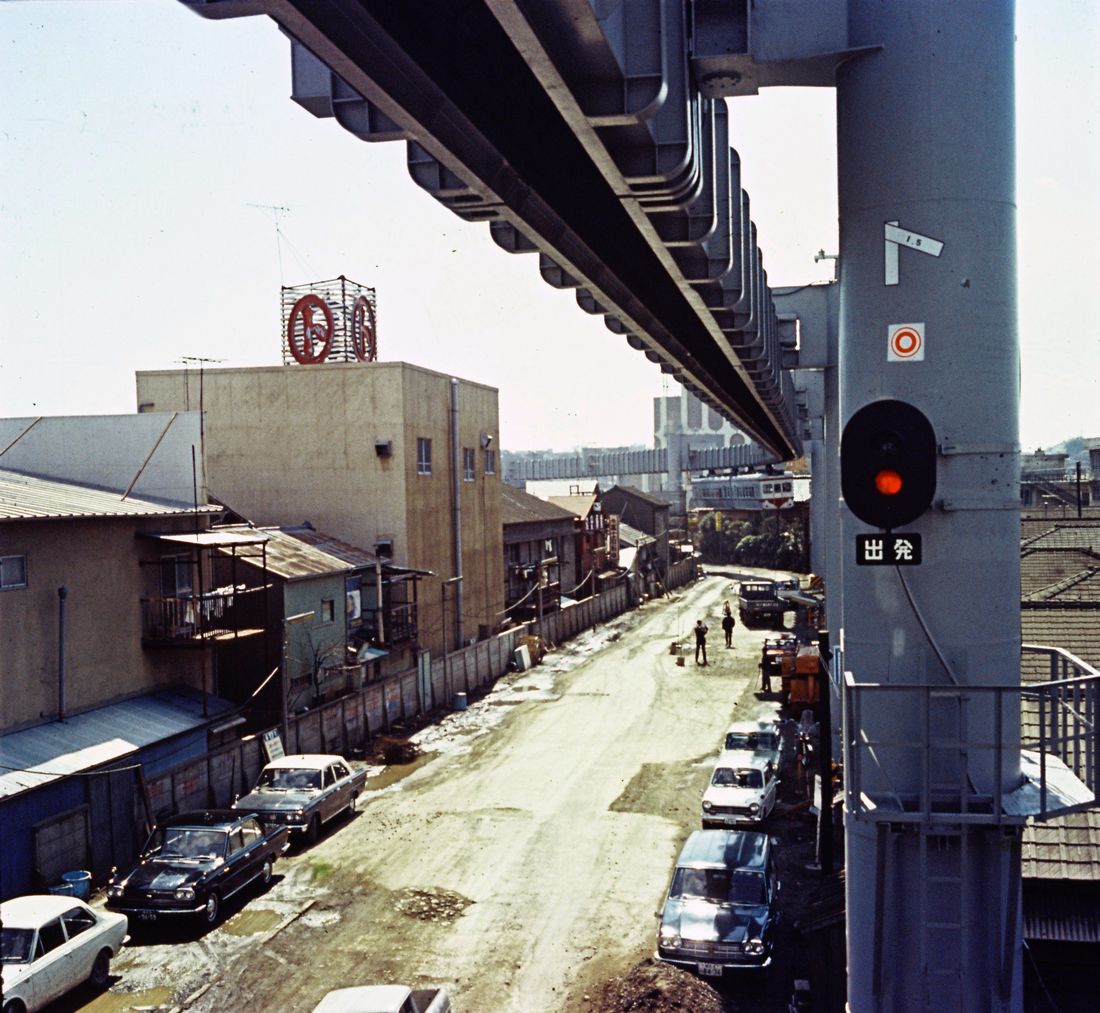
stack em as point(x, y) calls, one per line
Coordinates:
point(888, 464)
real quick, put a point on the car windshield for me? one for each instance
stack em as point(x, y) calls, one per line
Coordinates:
point(289, 779)
point(744, 777)
point(741, 740)
point(721, 886)
point(186, 842)
point(746, 888)
point(15, 945)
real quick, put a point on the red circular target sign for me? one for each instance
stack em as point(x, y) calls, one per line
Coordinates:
point(905, 342)
point(362, 330)
point(309, 330)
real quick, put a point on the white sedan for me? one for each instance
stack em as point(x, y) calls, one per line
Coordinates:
point(51, 944)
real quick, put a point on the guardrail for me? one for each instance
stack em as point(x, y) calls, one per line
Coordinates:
point(956, 762)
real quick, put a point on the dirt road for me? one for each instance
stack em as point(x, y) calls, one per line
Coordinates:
point(520, 865)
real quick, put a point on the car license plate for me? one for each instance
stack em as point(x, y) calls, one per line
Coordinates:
point(711, 970)
point(147, 916)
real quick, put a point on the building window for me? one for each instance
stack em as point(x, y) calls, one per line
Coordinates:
point(490, 462)
point(423, 455)
point(13, 572)
point(328, 610)
point(468, 464)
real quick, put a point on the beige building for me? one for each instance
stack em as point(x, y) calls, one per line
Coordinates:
point(387, 456)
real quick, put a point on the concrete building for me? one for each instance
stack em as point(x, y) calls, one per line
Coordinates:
point(391, 457)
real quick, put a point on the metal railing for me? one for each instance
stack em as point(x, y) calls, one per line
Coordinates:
point(211, 616)
point(399, 623)
point(974, 754)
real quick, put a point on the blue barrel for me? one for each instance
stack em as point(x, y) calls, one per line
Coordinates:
point(81, 882)
point(460, 701)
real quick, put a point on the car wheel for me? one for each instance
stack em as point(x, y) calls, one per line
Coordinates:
point(267, 873)
point(211, 908)
point(313, 831)
point(353, 804)
point(101, 969)
point(14, 1006)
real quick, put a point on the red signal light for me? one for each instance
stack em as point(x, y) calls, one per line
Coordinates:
point(888, 482)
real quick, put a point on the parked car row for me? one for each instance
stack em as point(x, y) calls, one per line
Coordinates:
point(722, 903)
point(744, 784)
point(190, 865)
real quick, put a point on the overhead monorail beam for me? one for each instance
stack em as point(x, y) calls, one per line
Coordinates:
point(473, 87)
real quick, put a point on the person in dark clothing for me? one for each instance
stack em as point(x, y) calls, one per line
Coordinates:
point(700, 642)
point(727, 624)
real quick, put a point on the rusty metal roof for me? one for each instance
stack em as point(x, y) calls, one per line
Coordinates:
point(289, 557)
point(352, 554)
point(29, 498)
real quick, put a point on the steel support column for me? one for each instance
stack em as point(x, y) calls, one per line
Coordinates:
point(926, 143)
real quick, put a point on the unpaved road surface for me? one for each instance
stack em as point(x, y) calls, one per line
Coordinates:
point(521, 863)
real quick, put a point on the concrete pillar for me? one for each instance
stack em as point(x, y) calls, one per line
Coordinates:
point(926, 141)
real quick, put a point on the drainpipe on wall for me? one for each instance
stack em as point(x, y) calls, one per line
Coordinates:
point(62, 594)
point(456, 511)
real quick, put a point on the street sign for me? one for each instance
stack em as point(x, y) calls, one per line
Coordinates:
point(893, 549)
point(895, 238)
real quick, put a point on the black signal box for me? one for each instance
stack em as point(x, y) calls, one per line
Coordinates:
point(888, 464)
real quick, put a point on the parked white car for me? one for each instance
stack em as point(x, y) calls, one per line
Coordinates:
point(742, 790)
point(51, 944)
point(761, 736)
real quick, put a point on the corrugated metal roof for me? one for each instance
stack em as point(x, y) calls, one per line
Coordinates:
point(289, 557)
point(36, 756)
point(1067, 915)
point(28, 497)
point(353, 554)
point(519, 507)
point(632, 536)
point(214, 538)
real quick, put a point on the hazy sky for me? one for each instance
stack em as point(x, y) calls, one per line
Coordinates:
point(136, 139)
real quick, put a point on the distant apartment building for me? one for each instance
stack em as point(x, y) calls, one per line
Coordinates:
point(396, 459)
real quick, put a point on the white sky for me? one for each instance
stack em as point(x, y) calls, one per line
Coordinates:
point(135, 138)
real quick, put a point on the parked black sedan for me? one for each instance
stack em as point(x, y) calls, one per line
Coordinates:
point(194, 861)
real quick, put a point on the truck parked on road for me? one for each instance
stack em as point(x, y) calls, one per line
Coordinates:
point(758, 603)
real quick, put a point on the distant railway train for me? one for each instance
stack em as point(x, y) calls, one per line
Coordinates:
point(748, 492)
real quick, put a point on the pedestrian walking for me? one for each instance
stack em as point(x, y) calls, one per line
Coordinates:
point(727, 624)
point(700, 642)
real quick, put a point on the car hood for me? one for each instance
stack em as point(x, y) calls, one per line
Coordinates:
point(165, 875)
point(704, 921)
point(722, 795)
point(13, 975)
point(275, 801)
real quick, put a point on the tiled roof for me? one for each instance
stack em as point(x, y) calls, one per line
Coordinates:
point(1077, 630)
point(1040, 568)
point(27, 497)
point(1067, 847)
point(519, 507)
point(1082, 587)
point(1066, 536)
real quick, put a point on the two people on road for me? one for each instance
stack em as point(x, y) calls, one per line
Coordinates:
point(727, 624)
